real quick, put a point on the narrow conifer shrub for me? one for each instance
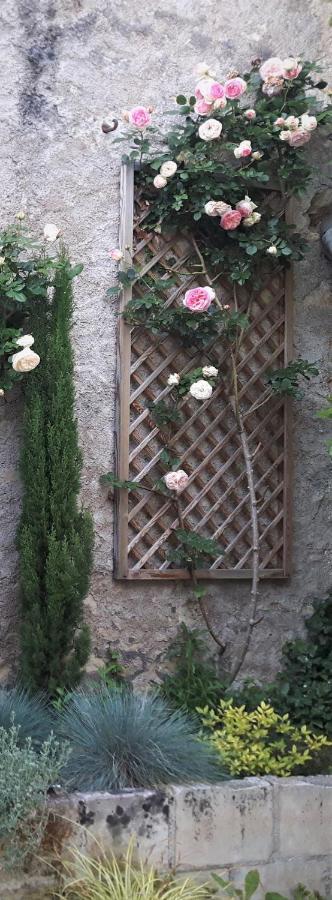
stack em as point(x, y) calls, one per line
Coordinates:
point(55, 536)
point(122, 740)
point(29, 714)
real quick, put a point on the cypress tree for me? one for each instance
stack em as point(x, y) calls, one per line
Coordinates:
point(55, 537)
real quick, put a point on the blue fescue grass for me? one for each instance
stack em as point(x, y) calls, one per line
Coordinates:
point(123, 740)
point(29, 714)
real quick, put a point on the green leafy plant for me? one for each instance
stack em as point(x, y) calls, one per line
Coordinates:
point(120, 739)
point(25, 776)
point(326, 413)
point(108, 878)
point(286, 381)
point(193, 681)
point(252, 883)
point(192, 549)
point(25, 275)
point(112, 674)
point(30, 714)
point(261, 742)
point(55, 537)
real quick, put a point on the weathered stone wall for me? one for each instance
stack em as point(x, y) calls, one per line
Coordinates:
point(66, 64)
point(280, 826)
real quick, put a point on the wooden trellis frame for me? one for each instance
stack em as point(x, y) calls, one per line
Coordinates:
point(216, 500)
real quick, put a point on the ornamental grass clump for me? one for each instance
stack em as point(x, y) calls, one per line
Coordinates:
point(107, 878)
point(30, 715)
point(125, 740)
point(261, 742)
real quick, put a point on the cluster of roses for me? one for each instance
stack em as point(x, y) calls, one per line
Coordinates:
point(232, 218)
point(296, 131)
point(275, 71)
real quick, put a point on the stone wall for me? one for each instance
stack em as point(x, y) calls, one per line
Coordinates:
point(281, 826)
point(67, 64)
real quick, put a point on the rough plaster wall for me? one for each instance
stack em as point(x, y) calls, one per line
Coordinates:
point(65, 64)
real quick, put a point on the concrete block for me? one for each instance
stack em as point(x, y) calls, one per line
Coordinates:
point(222, 824)
point(305, 816)
point(108, 821)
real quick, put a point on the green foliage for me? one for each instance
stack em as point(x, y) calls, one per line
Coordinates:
point(30, 715)
point(164, 414)
point(107, 878)
point(260, 742)
point(25, 777)
point(191, 329)
point(55, 537)
point(25, 274)
point(286, 381)
point(252, 883)
point(122, 740)
point(192, 549)
point(193, 681)
point(326, 413)
point(112, 674)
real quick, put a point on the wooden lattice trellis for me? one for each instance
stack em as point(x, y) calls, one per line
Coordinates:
point(216, 501)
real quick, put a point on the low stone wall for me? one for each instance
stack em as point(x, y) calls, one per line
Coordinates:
point(282, 826)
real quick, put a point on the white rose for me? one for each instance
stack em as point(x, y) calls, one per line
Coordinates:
point(25, 341)
point(176, 481)
point(285, 135)
point(251, 220)
point(216, 208)
point(200, 389)
point(159, 181)
point(309, 123)
point(257, 154)
point(2, 393)
point(51, 232)
point(25, 360)
point(220, 103)
point(210, 130)
point(210, 371)
point(273, 250)
point(173, 379)
point(203, 69)
point(168, 169)
point(2, 260)
point(204, 86)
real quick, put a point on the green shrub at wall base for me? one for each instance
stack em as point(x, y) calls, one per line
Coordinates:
point(55, 536)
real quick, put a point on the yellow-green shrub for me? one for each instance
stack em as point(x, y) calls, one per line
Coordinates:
point(259, 742)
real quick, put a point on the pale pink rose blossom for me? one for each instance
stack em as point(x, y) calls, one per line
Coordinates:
point(139, 116)
point(234, 88)
point(230, 220)
point(198, 93)
point(291, 68)
point(309, 123)
point(210, 371)
point(299, 138)
point(116, 254)
point(246, 207)
point(280, 121)
point(168, 169)
point(176, 481)
point(199, 299)
point(244, 149)
point(221, 103)
point(202, 108)
point(210, 130)
point(271, 67)
point(250, 114)
point(159, 182)
point(285, 135)
point(203, 88)
point(292, 123)
point(25, 360)
point(216, 90)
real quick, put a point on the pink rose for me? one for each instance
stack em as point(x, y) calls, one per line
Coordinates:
point(216, 90)
point(234, 88)
point(176, 481)
point(246, 207)
point(116, 254)
point(139, 116)
point(279, 121)
point(250, 114)
point(298, 138)
point(244, 149)
point(202, 108)
point(272, 67)
point(198, 94)
point(207, 89)
point(230, 220)
point(291, 68)
point(199, 299)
